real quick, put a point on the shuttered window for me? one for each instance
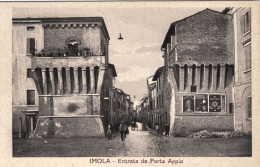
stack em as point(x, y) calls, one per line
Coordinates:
point(31, 46)
point(30, 97)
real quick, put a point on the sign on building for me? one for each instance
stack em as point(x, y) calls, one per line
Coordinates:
point(201, 103)
point(188, 103)
point(214, 103)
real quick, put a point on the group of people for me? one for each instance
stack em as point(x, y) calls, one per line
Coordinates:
point(123, 128)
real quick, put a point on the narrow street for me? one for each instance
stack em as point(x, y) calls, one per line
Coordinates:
point(138, 143)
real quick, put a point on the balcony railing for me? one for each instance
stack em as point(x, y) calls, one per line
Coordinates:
point(65, 53)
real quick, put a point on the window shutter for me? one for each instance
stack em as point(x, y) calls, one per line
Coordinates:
point(32, 45)
point(28, 46)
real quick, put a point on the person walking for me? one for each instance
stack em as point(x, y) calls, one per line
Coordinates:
point(109, 132)
point(123, 130)
point(167, 129)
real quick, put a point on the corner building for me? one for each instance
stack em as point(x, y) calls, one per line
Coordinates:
point(243, 70)
point(198, 81)
point(61, 77)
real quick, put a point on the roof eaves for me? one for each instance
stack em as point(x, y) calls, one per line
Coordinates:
point(158, 73)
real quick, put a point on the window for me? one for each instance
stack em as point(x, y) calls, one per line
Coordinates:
point(30, 97)
point(29, 73)
point(193, 88)
point(231, 108)
point(151, 105)
point(247, 47)
point(247, 22)
point(73, 48)
point(30, 28)
point(249, 107)
point(31, 46)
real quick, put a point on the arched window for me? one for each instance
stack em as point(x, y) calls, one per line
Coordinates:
point(73, 48)
point(72, 44)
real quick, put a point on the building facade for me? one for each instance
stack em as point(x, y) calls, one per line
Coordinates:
point(243, 79)
point(61, 77)
point(122, 107)
point(198, 75)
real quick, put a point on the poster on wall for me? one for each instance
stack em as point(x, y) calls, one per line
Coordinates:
point(214, 103)
point(201, 103)
point(188, 103)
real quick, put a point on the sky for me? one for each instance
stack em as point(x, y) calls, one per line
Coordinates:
point(139, 54)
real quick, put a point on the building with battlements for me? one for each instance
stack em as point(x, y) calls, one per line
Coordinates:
point(61, 77)
point(199, 73)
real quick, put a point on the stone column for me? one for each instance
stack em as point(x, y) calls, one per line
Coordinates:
point(92, 80)
point(189, 79)
point(68, 81)
point(60, 83)
point(52, 82)
point(222, 77)
point(206, 78)
point(76, 81)
point(181, 77)
point(197, 78)
point(214, 78)
point(44, 82)
point(84, 81)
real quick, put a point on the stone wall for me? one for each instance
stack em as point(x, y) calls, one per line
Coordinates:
point(186, 124)
point(69, 105)
point(69, 127)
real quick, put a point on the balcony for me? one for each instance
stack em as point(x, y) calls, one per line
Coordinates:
point(58, 58)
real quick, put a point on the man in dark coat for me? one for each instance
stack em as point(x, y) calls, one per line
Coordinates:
point(123, 130)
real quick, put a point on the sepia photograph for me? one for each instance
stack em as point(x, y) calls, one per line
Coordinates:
point(129, 84)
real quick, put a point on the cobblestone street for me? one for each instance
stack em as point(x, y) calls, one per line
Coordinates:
point(138, 143)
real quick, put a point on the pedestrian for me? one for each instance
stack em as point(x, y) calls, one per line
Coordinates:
point(109, 132)
point(167, 129)
point(123, 130)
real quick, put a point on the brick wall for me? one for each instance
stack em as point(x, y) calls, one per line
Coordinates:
point(89, 38)
point(206, 37)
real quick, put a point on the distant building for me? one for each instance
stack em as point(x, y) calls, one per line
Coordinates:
point(198, 76)
point(61, 77)
point(121, 107)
